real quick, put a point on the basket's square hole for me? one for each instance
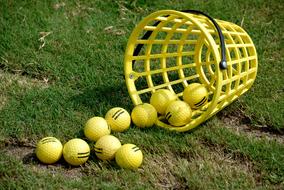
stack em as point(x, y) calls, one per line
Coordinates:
point(145, 97)
point(156, 48)
point(225, 88)
point(243, 79)
point(171, 62)
point(155, 64)
point(157, 79)
point(189, 71)
point(227, 37)
point(244, 66)
point(169, 24)
point(188, 47)
point(141, 83)
point(187, 60)
point(232, 54)
point(173, 48)
point(173, 75)
point(235, 69)
point(178, 88)
point(252, 64)
point(192, 36)
point(241, 52)
point(250, 51)
point(177, 36)
point(161, 35)
point(233, 84)
point(184, 26)
point(138, 66)
point(235, 39)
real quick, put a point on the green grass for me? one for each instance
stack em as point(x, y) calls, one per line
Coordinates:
point(79, 73)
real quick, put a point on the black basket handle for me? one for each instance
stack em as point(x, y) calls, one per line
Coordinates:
point(223, 62)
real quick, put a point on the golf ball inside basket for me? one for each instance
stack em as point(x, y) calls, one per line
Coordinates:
point(178, 113)
point(49, 150)
point(129, 156)
point(161, 99)
point(118, 119)
point(106, 147)
point(76, 152)
point(95, 128)
point(144, 115)
point(196, 95)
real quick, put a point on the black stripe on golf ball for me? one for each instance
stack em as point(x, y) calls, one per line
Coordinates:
point(98, 152)
point(119, 114)
point(135, 149)
point(113, 116)
point(80, 153)
point(47, 138)
point(169, 115)
point(201, 102)
point(83, 156)
point(51, 140)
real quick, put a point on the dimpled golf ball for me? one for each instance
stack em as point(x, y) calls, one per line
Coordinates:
point(129, 156)
point(196, 95)
point(118, 119)
point(161, 99)
point(49, 150)
point(95, 128)
point(76, 152)
point(178, 113)
point(106, 147)
point(144, 115)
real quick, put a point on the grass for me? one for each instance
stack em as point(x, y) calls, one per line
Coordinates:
point(78, 73)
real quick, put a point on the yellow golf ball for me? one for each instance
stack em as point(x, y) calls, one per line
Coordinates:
point(118, 119)
point(196, 95)
point(161, 99)
point(106, 147)
point(76, 152)
point(49, 150)
point(95, 128)
point(178, 113)
point(129, 156)
point(144, 115)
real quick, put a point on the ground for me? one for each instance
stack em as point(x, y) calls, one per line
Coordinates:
point(61, 62)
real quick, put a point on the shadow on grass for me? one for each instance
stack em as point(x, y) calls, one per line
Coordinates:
point(104, 97)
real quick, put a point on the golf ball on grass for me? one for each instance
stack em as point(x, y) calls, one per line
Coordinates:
point(49, 150)
point(161, 99)
point(178, 113)
point(144, 115)
point(118, 119)
point(129, 156)
point(95, 128)
point(196, 95)
point(76, 152)
point(106, 147)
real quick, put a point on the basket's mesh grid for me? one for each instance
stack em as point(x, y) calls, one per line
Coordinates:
point(177, 53)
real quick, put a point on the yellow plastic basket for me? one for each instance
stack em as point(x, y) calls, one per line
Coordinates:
point(171, 49)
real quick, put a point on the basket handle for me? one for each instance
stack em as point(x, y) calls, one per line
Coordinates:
point(223, 62)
